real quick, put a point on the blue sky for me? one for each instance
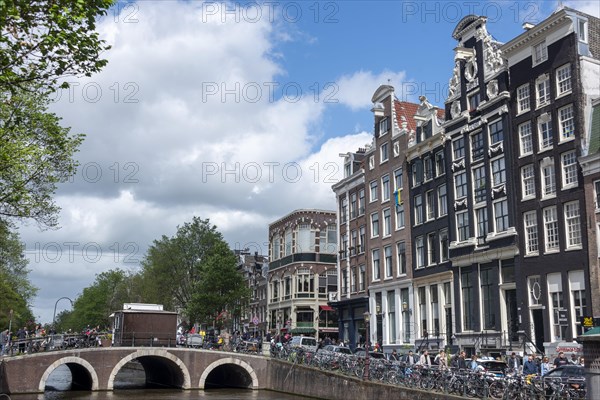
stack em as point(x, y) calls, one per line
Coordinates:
point(182, 123)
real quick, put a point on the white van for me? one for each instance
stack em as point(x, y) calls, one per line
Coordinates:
point(307, 342)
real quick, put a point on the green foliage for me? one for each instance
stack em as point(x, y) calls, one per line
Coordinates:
point(193, 271)
point(13, 264)
point(107, 294)
point(12, 300)
point(42, 41)
point(36, 153)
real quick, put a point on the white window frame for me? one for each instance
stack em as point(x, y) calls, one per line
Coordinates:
point(530, 227)
point(385, 188)
point(400, 217)
point(376, 263)
point(564, 80)
point(503, 216)
point(499, 176)
point(572, 215)
point(569, 168)
point(384, 152)
point(527, 182)
point(581, 27)
point(419, 252)
point(373, 191)
point(544, 123)
point(373, 221)
point(429, 205)
point(460, 149)
point(418, 202)
point(464, 217)
point(566, 120)
point(525, 139)
point(548, 178)
point(442, 200)
point(551, 230)
point(539, 53)
point(384, 126)
point(387, 222)
point(388, 262)
point(464, 188)
point(523, 99)
point(542, 90)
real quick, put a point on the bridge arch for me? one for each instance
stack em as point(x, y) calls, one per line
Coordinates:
point(80, 369)
point(237, 364)
point(169, 363)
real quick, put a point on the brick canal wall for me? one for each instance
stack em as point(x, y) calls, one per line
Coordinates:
point(304, 381)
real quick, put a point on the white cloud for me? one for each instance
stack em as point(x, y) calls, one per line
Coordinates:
point(355, 90)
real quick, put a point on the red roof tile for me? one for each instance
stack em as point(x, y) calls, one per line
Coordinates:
point(408, 111)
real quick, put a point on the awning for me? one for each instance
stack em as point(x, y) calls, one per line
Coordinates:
point(301, 330)
point(327, 308)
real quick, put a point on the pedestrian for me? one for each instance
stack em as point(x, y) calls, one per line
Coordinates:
point(545, 366)
point(425, 360)
point(560, 360)
point(409, 359)
point(394, 356)
point(574, 359)
point(475, 366)
point(530, 367)
point(441, 360)
point(514, 363)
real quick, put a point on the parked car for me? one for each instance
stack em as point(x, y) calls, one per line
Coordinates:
point(307, 342)
point(567, 373)
point(495, 367)
point(337, 349)
point(194, 340)
point(360, 352)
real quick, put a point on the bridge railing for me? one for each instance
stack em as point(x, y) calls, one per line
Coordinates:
point(50, 342)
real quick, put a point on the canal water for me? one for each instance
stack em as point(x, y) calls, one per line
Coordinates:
point(130, 381)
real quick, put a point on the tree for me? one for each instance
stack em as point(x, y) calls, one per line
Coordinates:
point(13, 264)
point(12, 300)
point(36, 153)
point(42, 41)
point(176, 269)
point(222, 292)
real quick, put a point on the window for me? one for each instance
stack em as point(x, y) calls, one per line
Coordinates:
point(344, 210)
point(401, 253)
point(276, 248)
point(442, 200)
point(353, 280)
point(435, 308)
point(545, 131)
point(460, 185)
point(306, 283)
point(577, 286)
point(597, 194)
point(303, 240)
point(429, 205)
point(572, 224)
point(559, 328)
point(542, 86)
point(569, 169)
point(482, 222)
point(540, 53)
point(422, 308)
point(344, 281)
point(428, 164)
point(566, 122)
point(474, 101)
point(361, 201)
point(498, 171)
point(523, 98)
point(582, 30)
point(420, 252)
point(462, 226)
point(347, 170)
point(440, 166)
point(398, 179)
point(353, 209)
point(418, 209)
point(458, 148)
point(479, 184)
point(527, 182)
point(531, 233)
point(371, 162)
point(488, 298)
point(548, 178)
point(361, 239)
point(288, 242)
point(477, 146)
point(388, 261)
point(400, 216)
point(431, 258)
point(563, 80)
point(353, 242)
point(361, 278)
point(344, 249)
point(496, 132)
point(501, 215)
point(384, 125)
point(376, 265)
point(525, 139)
point(391, 308)
point(373, 193)
point(551, 229)
point(535, 290)
point(417, 172)
point(387, 222)
point(444, 245)
point(374, 224)
point(385, 188)
point(468, 299)
point(384, 153)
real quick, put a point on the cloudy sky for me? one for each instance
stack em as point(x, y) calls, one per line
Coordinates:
point(236, 112)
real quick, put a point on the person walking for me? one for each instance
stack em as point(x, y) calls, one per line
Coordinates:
point(441, 360)
point(530, 367)
point(545, 366)
point(560, 360)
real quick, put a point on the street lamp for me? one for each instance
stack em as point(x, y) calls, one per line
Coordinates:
point(55, 304)
point(367, 317)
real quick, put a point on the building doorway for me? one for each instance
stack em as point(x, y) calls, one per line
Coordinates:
point(537, 316)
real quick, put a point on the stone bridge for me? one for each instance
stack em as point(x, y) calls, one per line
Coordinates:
point(96, 368)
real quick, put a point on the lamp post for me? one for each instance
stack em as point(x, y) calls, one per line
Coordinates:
point(55, 304)
point(367, 317)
